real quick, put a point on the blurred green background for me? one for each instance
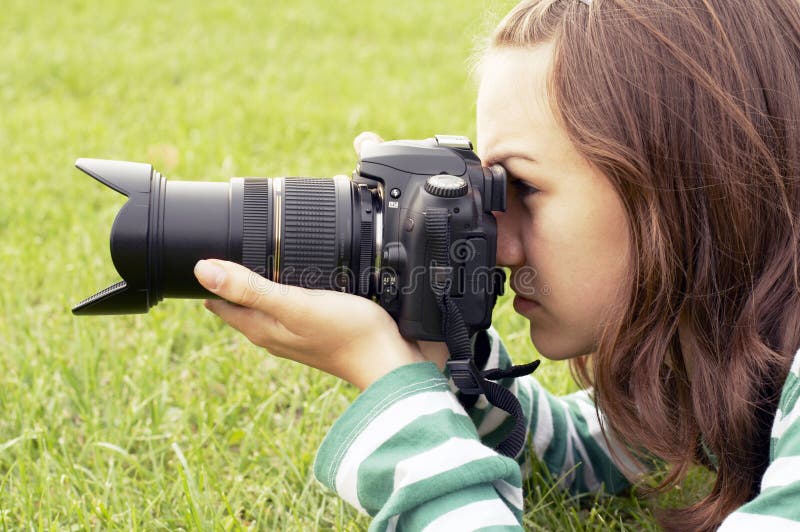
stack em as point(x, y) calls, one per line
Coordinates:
point(171, 420)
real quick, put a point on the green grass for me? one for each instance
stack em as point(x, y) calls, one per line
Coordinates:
point(171, 420)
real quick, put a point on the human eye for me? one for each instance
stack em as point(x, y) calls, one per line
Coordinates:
point(522, 188)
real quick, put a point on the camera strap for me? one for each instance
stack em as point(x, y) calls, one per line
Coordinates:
point(471, 381)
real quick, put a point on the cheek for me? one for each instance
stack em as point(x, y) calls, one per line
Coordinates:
point(579, 248)
point(579, 244)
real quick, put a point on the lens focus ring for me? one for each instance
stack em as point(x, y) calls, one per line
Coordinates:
point(309, 235)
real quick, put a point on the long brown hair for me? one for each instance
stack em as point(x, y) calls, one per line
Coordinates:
point(691, 108)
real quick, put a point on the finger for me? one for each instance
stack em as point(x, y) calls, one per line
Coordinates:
point(260, 328)
point(364, 139)
point(244, 287)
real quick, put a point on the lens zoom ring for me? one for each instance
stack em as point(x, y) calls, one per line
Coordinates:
point(256, 225)
point(309, 235)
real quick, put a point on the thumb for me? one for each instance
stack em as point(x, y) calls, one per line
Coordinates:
point(245, 287)
point(365, 139)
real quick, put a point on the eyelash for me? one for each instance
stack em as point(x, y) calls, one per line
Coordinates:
point(523, 189)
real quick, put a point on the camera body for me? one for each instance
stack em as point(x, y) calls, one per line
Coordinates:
point(415, 176)
point(369, 235)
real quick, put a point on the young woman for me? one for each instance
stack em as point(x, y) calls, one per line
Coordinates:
point(653, 153)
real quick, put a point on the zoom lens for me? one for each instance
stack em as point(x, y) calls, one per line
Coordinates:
point(311, 232)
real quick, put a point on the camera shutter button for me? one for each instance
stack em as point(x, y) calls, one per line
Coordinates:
point(446, 186)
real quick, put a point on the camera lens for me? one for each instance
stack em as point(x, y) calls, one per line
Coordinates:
point(311, 232)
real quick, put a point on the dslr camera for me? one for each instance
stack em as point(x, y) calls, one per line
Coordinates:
point(369, 234)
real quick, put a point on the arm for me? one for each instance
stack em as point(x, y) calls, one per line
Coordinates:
point(777, 506)
point(565, 431)
point(409, 455)
point(406, 453)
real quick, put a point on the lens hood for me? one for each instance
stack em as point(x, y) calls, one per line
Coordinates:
point(129, 237)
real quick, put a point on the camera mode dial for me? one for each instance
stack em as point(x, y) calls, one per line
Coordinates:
point(446, 186)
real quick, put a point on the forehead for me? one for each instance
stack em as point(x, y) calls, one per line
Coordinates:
point(513, 105)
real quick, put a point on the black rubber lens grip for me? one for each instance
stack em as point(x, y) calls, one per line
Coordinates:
point(308, 243)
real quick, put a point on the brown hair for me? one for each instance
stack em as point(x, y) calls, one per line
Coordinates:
point(691, 109)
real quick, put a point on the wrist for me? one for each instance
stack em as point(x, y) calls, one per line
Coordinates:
point(380, 359)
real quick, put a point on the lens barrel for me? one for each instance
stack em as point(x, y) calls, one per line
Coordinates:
point(310, 232)
point(307, 231)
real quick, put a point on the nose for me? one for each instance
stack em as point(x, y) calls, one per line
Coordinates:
point(510, 251)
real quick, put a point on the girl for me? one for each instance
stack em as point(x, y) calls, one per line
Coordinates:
point(653, 155)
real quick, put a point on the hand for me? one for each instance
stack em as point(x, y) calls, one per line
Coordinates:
point(342, 334)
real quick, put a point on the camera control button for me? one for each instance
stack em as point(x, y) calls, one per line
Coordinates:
point(446, 186)
point(389, 287)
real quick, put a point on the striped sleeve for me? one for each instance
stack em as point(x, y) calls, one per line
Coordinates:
point(406, 453)
point(565, 431)
point(777, 506)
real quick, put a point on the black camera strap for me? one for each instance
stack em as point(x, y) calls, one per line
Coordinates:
point(471, 381)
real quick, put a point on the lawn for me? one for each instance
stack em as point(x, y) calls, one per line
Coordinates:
point(170, 420)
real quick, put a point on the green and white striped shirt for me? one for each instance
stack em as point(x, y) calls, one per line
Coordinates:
point(408, 454)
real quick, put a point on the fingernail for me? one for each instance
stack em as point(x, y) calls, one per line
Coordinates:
point(209, 274)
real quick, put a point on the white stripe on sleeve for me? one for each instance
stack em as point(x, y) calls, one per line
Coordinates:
point(496, 415)
point(473, 516)
point(381, 429)
point(510, 493)
point(781, 472)
point(796, 364)
point(784, 421)
point(589, 476)
point(450, 455)
point(627, 465)
point(744, 522)
point(543, 434)
point(494, 355)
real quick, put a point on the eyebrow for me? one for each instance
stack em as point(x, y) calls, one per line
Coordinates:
point(504, 156)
